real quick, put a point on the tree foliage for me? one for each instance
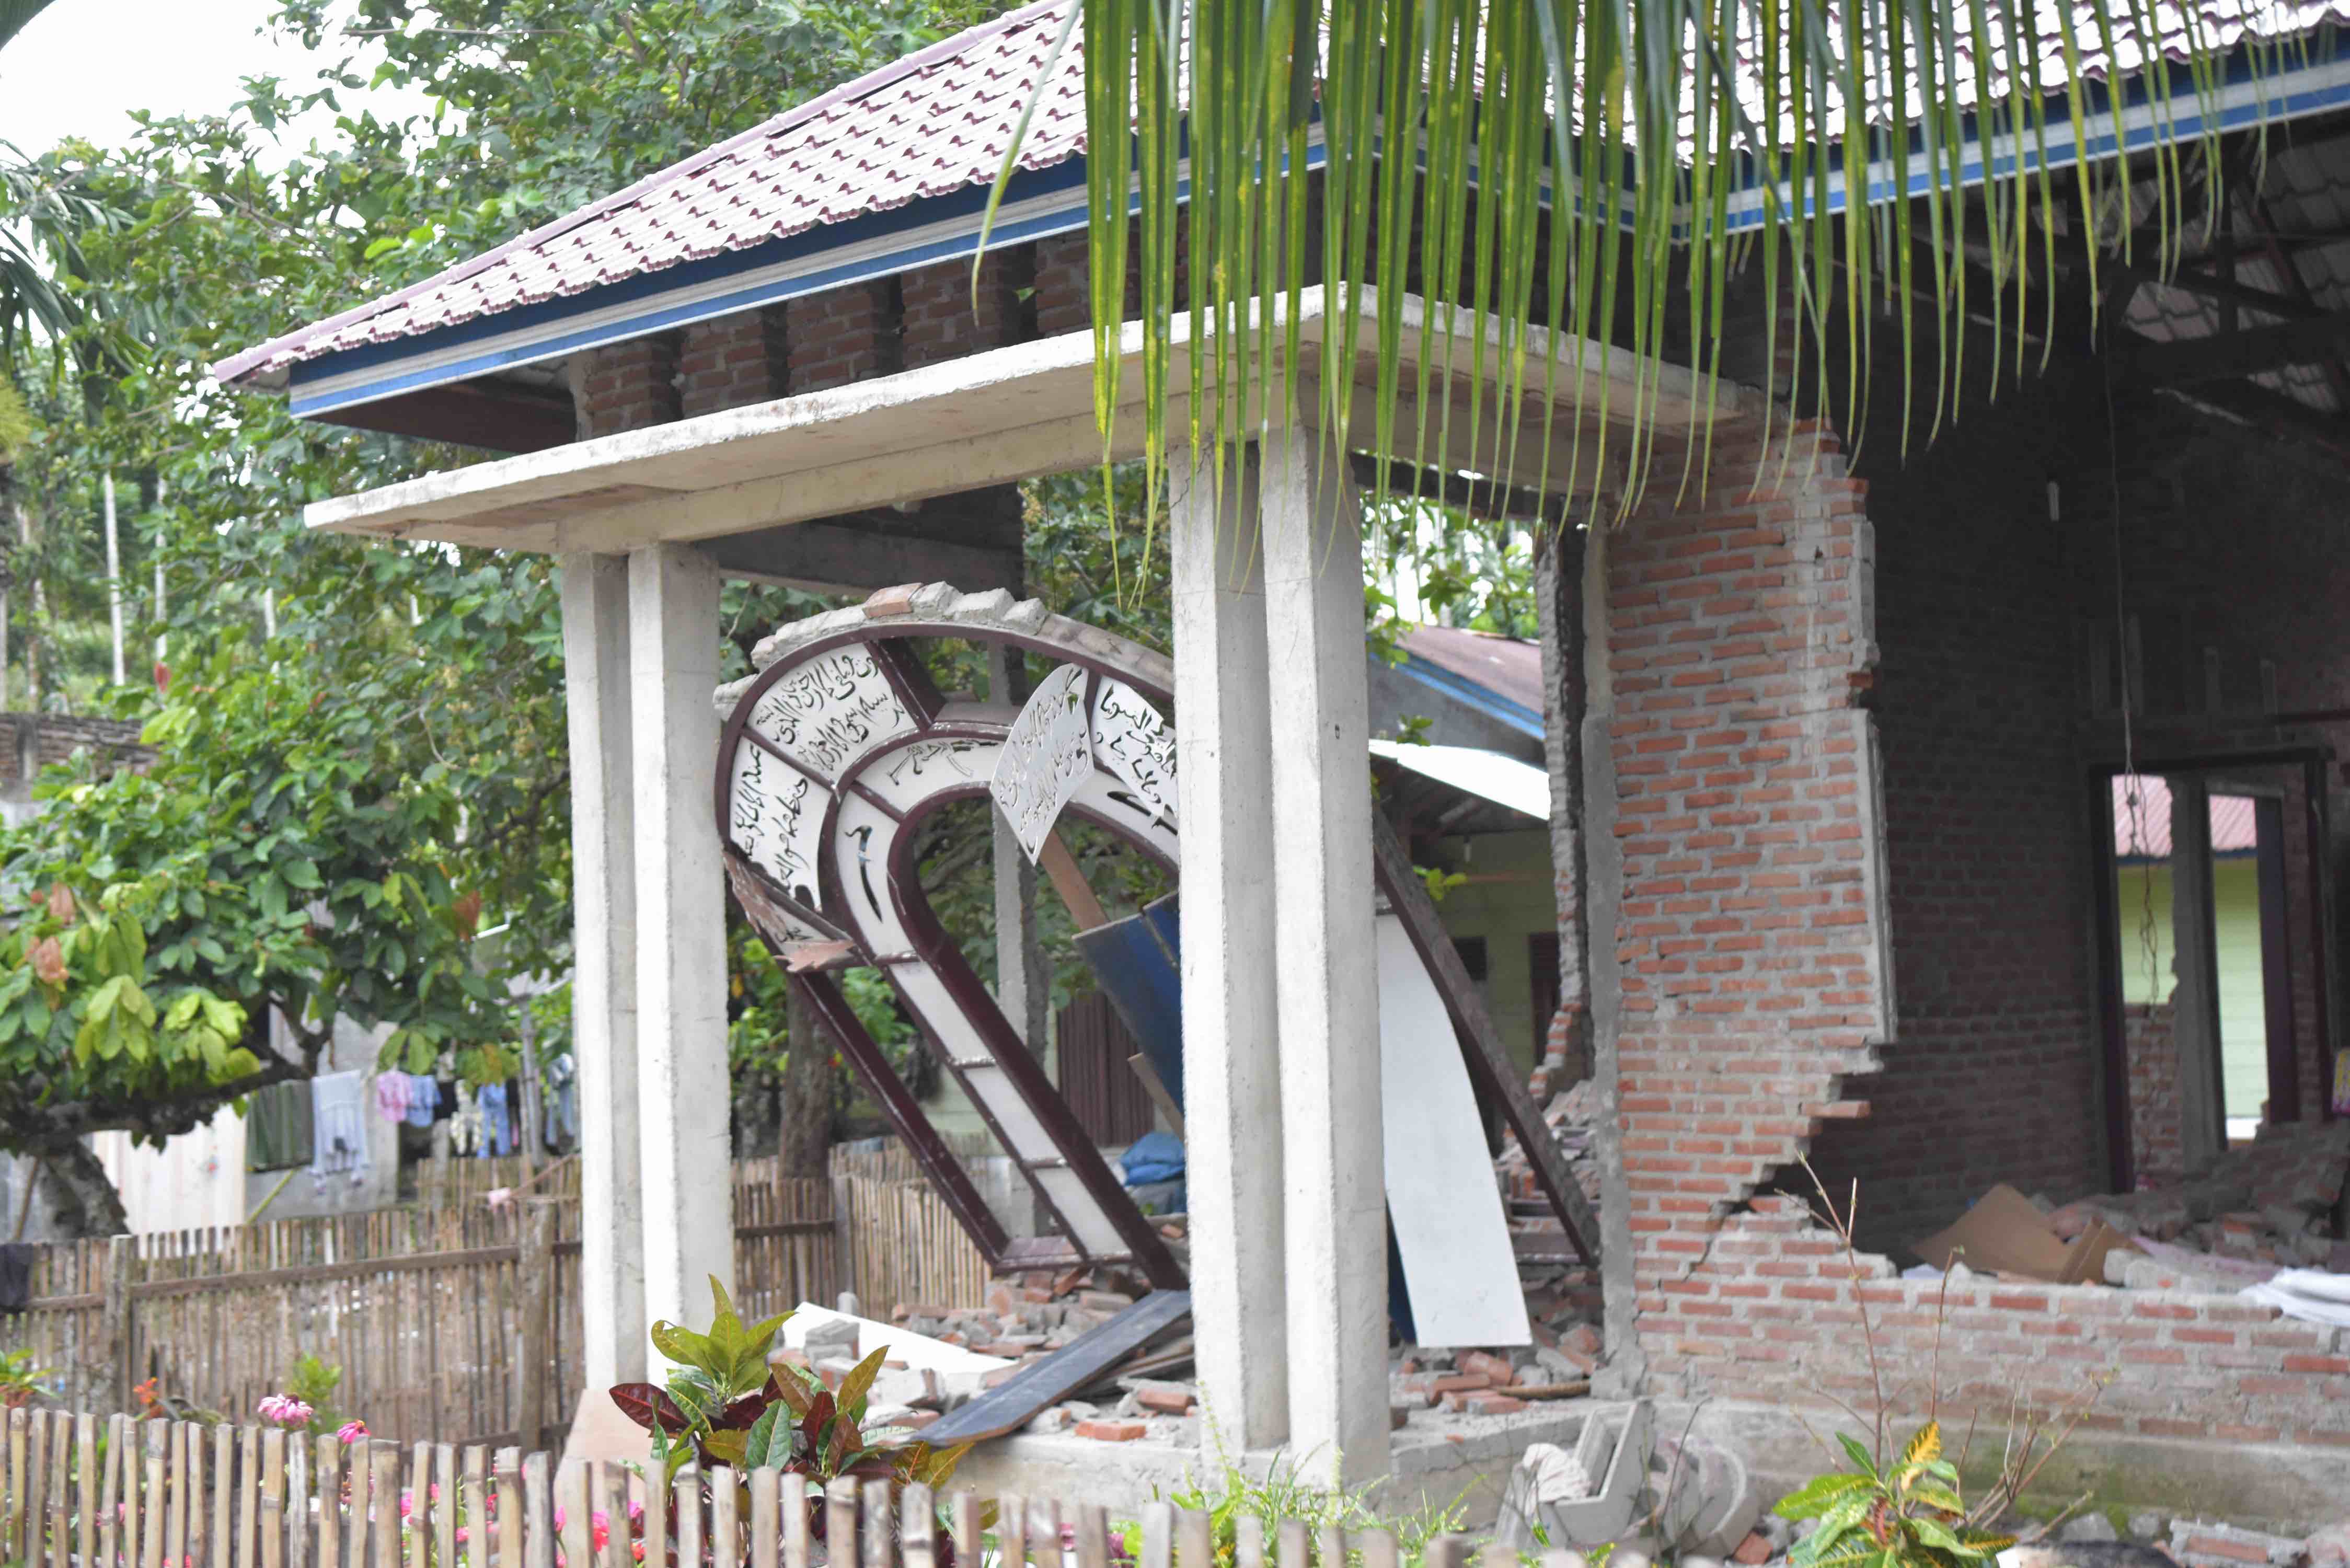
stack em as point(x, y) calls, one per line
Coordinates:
point(337, 810)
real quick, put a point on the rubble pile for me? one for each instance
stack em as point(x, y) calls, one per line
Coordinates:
point(1571, 1116)
point(2273, 1203)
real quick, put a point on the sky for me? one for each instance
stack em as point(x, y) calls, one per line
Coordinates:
point(83, 64)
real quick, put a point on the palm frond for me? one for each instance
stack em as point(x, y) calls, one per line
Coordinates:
point(1597, 167)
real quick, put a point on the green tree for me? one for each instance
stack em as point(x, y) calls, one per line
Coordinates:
point(339, 809)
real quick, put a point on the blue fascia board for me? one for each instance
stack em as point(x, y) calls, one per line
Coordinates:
point(1483, 699)
point(2296, 80)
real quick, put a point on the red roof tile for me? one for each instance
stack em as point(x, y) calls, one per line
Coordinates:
point(936, 122)
point(939, 122)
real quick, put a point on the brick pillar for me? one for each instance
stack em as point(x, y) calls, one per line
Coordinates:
point(842, 336)
point(732, 361)
point(947, 318)
point(631, 385)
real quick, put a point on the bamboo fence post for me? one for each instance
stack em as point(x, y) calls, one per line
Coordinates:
point(687, 1488)
point(510, 1508)
point(918, 1529)
point(298, 1503)
point(360, 1456)
point(383, 1489)
point(612, 1499)
point(272, 1498)
point(538, 1525)
point(32, 1510)
point(174, 1501)
point(656, 1497)
point(120, 1331)
point(330, 1501)
point(535, 1286)
point(86, 1464)
point(445, 1507)
point(725, 1536)
point(571, 1509)
point(477, 1504)
point(766, 1518)
point(1011, 1530)
point(224, 1496)
point(153, 1505)
point(418, 1518)
point(875, 1542)
point(840, 1523)
point(967, 1540)
point(795, 1503)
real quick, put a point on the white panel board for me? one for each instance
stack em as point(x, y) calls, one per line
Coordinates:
point(1048, 754)
point(1441, 1200)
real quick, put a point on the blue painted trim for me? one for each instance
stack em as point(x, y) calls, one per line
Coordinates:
point(555, 328)
point(1483, 699)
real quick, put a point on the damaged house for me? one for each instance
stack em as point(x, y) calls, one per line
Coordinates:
point(1852, 741)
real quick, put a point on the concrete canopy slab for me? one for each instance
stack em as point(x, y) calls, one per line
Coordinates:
point(993, 418)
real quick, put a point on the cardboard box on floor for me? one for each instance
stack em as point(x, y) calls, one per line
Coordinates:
point(2005, 1234)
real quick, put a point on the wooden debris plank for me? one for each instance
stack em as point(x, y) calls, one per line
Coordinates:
point(1083, 1361)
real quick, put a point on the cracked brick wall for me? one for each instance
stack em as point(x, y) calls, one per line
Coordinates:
point(1753, 972)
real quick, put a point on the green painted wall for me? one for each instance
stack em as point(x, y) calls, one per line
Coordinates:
point(1505, 912)
point(2145, 904)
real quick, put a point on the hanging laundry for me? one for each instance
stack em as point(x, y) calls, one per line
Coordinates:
point(391, 1096)
point(497, 1122)
point(444, 1100)
point(278, 1121)
point(337, 1131)
point(16, 1259)
point(465, 1123)
point(423, 1099)
point(560, 1119)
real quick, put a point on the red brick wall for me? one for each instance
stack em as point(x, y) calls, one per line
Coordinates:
point(2157, 1121)
point(112, 741)
point(630, 386)
point(1995, 1049)
point(843, 336)
point(731, 361)
point(1752, 970)
point(946, 317)
point(1773, 1313)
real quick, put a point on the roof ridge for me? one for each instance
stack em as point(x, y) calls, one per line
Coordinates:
point(947, 49)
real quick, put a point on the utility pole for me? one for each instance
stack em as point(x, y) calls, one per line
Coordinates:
point(113, 576)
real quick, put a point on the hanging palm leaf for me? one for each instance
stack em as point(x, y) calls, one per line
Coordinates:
point(1604, 167)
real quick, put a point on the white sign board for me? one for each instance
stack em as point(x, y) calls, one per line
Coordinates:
point(1045, 759)
point(1133, 740)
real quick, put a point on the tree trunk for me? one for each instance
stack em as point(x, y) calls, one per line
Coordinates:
point(804, 1137)
point(87, 1203)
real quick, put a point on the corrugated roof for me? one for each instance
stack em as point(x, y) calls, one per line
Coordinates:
point(934, 123)
point(2142, 827)
point(1508, 667)
point(2305, 190)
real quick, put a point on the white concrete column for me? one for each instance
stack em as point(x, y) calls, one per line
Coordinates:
point(1022, 988)
point(1231, 1077)
point(1326, 953)
point(603, 973)
point(681, 935)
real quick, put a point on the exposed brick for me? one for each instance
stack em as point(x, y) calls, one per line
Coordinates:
point(631, 386)
point(1111, 1431)
point(732, 360)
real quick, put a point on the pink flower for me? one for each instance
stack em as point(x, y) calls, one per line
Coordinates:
point(601, 1528)
point(463, 1533)
point(351, 1432)
point(406, 1502)
point(285, 1411)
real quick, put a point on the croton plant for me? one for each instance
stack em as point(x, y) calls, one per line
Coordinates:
point(728, 1403)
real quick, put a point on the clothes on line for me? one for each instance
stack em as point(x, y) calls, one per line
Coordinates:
point(278, 1120)
point(16, 1274)
point(338, 1131)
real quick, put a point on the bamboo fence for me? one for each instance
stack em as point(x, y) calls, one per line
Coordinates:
point(457, 1321)
point(88, 1491)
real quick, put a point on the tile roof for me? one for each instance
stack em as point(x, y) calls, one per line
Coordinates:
point(939, 123)
point(935, 123)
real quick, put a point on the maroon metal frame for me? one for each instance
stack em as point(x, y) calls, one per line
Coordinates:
point(1473, 1031)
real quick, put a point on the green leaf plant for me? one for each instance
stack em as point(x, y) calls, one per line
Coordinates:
point(1906, 1508)
point(1614, 170)
point(729, 1402)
